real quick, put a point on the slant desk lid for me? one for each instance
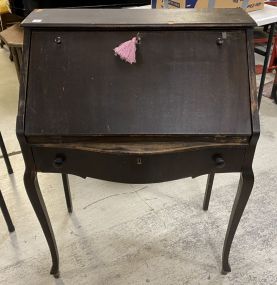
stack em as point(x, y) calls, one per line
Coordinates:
point(106, 18)
point(183, 82)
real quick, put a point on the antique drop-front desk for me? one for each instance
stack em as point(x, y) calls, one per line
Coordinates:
point(187, 107)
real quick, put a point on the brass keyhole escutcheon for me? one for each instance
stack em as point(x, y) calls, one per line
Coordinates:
point(220, 40)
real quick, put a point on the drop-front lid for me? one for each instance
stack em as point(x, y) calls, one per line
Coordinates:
point(183, 83)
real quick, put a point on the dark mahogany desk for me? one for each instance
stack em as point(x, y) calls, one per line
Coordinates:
point(178, 112)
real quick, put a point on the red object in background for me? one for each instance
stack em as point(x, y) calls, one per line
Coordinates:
point(273, 60)
point(273, 3)
point(259, 69)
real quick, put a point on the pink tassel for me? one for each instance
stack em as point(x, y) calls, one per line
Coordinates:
point(127, 50)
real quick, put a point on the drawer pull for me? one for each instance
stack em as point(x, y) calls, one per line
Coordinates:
point(219, 161)
point(220, 41)
point(58, 40)
point(58, 161)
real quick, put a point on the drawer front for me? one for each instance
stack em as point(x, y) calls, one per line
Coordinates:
point(184, 82)
point(135, 168)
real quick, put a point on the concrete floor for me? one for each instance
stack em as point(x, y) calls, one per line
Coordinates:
point(138, 234)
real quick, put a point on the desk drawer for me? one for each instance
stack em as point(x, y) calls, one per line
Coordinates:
point(139, 168)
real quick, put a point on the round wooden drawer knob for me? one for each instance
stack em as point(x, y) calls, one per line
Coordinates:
point(59, 161)
point(219, 161)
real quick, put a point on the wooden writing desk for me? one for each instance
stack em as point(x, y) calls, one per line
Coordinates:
point(177, 112)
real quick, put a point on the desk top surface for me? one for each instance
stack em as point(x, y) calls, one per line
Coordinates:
point(138, 17)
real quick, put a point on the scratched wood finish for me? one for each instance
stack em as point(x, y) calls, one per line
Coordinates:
point(142, 147)
point(40, 139)
point(168, 91)
point(144, 18)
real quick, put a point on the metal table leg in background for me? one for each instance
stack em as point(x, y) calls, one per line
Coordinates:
point(5, 155)
point(274, 89)
point(6, 214)
point(266, 55)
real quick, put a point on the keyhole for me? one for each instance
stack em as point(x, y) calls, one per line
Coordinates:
point(220, 41)
point(139, 162)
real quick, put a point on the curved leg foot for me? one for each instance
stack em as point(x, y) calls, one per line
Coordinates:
point(5, 155)
point(34, 194)
point(209, 187)
point(67, 193)
point(226, 270)
point(244, 190)
point(55, 272)
point(6, 214)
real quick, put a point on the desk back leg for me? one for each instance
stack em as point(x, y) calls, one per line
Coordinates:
point(243, 193)
point(34, 194)
point(208, 191)
point(67, 193)
point(5, 155)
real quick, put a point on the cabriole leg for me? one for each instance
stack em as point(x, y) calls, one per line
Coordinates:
point(244, 190)
point(34, 194)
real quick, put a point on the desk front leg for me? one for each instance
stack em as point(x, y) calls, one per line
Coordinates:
point(243, 193)
point(34, 194)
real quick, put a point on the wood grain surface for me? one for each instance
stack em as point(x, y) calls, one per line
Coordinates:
point(147, 18)
point(183, 83)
